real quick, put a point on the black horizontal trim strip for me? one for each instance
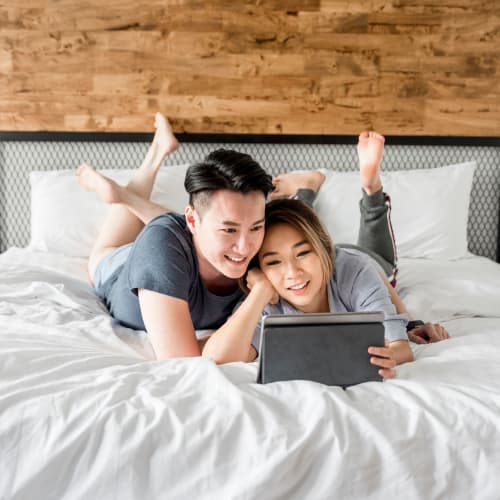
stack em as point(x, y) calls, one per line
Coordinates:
point(424, 140)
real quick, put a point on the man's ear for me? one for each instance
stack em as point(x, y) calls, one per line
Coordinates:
point(192, 218)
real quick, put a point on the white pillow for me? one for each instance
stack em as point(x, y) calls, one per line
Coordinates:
point(66, 219)
point(429, 208)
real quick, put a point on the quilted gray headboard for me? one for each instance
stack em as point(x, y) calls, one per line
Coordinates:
point(20, 154)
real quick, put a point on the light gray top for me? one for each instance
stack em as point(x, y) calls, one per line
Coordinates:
point(354, 286)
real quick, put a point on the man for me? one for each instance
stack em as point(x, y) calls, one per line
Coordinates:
point(179, 274)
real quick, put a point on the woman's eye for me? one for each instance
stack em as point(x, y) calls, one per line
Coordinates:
point(271, 263)
point(303, 253)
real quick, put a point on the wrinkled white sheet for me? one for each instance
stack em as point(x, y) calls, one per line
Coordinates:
point(86, 412)
point(442, 290)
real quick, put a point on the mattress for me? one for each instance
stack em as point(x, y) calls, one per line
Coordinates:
point(88, 412)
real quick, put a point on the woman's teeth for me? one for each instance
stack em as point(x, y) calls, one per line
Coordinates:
point(298, 287)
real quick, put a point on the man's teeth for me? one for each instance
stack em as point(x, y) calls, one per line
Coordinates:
point(298, 287)
point(235, 259)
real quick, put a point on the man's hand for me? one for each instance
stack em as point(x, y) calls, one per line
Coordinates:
point(382, 356)
point(428, 333)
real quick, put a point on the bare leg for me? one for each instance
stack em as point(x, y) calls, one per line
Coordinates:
point(112, 193)
point(370, 150)
point(122, 225)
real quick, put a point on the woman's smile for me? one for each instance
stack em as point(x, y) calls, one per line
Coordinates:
point(300, 288)
point(294, 269)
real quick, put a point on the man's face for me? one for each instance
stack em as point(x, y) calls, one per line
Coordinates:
point(229, 232)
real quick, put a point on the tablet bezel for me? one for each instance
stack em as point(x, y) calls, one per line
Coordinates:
point(322, 318)
point(304, 319)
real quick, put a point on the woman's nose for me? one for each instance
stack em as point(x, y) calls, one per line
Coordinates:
point(292, 269)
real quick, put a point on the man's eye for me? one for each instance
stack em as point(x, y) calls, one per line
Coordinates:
point(228, 230)
point(258, 228)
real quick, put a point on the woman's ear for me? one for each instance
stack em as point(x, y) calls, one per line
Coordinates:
point(192, 218)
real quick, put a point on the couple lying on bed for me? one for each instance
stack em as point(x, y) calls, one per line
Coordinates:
point(178, 275)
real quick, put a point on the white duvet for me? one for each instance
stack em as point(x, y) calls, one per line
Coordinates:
point(87, 413)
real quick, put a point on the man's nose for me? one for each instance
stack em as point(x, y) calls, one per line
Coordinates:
point(242, 244)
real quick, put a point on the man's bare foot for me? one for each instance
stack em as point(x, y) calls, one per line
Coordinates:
point(164, 136)
point(91, 180)
point(370, 150)
point(164, 143)
point(287, 185)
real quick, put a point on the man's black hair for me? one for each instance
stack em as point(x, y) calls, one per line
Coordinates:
point(225, 169)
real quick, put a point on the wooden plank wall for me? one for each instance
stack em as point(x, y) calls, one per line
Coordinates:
point(404, 67)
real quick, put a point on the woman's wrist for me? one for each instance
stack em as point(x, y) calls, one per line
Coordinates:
point(263, 292)
point(413, 324)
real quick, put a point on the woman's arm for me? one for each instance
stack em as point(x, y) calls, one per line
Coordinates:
point(233, 340)
point(395, 353)
point(425, 333)
point(401, 351)
point(383, 357)
point(370, 293)
point(395, 298)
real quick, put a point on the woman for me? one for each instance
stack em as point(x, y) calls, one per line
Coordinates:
point(300, 271)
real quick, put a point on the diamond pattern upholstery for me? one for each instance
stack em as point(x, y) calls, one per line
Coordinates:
point(18, 158)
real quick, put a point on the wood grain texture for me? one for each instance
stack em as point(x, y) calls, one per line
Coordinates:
point(404, 67)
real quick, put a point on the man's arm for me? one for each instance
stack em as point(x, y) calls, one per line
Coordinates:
point(170, 328)
point(169, 325)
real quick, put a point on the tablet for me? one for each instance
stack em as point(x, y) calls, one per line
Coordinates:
point(329, 348)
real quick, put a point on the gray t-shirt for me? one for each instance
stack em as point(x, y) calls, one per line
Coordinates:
point(354, 286)
point(163, 260)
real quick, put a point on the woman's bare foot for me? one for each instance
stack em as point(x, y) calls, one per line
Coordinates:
point(91, 180)
point(287, 185)
point(370, 150)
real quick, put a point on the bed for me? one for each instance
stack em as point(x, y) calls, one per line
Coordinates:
point(87, 411)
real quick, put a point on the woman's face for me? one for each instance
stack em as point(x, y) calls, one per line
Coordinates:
point(293, 268)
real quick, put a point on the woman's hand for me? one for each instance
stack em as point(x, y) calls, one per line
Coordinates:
point(256, 279)
point(428, 333)
point(383, 357)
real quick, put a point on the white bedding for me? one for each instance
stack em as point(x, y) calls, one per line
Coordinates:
point(86, 411)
